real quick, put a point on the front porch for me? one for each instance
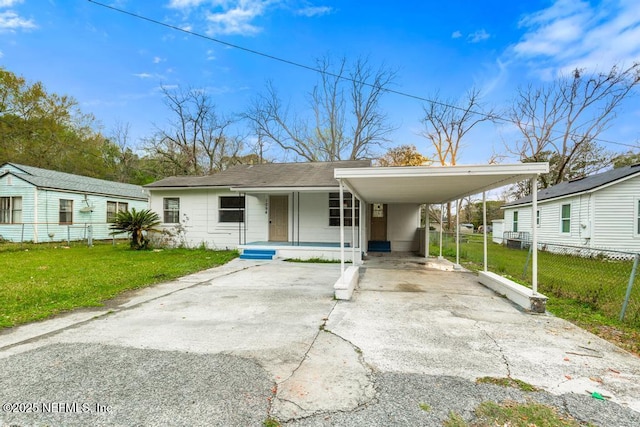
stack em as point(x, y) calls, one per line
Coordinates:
point(329, 251)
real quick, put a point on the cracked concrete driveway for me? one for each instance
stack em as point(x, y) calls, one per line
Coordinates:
point(249, 341)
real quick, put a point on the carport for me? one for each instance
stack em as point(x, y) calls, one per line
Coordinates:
point(433, 185)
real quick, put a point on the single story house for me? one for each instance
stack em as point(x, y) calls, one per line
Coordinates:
point(42, 205)
point(597, 211)
point(289, 208)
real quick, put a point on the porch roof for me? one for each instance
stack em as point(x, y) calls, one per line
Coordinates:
point(433, 184)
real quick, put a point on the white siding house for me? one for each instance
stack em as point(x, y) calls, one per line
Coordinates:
point(597, 211)
point(291, 207)
point(41, 205)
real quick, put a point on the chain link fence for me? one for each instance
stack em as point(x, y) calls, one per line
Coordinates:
point(601, 280)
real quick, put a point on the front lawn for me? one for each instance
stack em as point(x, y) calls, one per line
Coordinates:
point(39, 281)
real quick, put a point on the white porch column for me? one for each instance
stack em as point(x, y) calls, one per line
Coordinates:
point(353, 229)
point(426, 230)
point(484, 227)
point(341, 231)
point(534, 234)
point(364, 220)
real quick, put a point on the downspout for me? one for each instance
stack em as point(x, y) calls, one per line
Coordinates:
point(484, 228)
point(342, 279)
point(534, 234)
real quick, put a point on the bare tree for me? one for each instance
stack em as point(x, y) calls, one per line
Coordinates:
point(345, 120)
point(197, 141)
point(561, 121)
point(447, 123)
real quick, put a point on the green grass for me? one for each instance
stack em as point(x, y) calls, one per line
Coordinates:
point(514, 414)
point(586, 291)
point(507, 382)
point(39, 281)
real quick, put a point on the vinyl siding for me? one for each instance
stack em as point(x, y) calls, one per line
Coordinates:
point(604, 218)
point(40, 213)
point(615, 216)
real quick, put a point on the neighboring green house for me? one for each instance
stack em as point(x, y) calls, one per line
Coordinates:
point(597, 211)
point(42, 205)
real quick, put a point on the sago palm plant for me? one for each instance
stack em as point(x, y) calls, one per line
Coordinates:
point(137, 224)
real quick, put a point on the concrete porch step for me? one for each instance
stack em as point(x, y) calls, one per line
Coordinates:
point(266, 254)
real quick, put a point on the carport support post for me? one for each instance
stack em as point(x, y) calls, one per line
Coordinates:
point(484, 227)
point(441, 219)
point(341, 231)
point(426, 230)
point(457, 234)
point(534, 234)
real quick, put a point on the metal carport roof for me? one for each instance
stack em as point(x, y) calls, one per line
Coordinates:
point(433, 184)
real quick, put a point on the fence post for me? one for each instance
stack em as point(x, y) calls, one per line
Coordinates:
point(632, 279)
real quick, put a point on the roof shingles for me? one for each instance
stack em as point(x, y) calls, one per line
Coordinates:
point(266, 175)
point(45, 178)
point(588, 183)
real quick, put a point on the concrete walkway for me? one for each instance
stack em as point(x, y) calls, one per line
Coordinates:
point(248, 341)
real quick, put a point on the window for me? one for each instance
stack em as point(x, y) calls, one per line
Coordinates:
point(334, 209)
point(114, 207)
point(171, 210)
point(66, 211)
point(10, 210)
point(565, 219)
point(231, 209)
point(515, 221)
point(538, 218)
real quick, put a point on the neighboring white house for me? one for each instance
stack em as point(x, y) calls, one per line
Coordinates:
point(293, 208)
point(42, 205)
point(598, 211)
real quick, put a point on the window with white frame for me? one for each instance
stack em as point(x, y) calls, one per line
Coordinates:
point(113, 208)
point(565, 218)
point(334, 209)
point(66, 212)
point(11, 210)
point(231, 209)
point(171, 210)
point(515, 221)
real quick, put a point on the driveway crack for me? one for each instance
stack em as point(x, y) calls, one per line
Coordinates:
point(499, 347)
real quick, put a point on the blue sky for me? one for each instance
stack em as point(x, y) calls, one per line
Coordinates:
point(114, 64)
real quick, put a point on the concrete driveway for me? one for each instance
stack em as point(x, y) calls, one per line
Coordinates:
point(249, 341)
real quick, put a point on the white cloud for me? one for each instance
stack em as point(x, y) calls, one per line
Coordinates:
point(9, 3)
point(11, 21)
point(577, 34)
point(143, 75)
point(456, 34)
point(185, 4)
point(478, 36)
point(312, 11)
point(211, 55)
point(236, 19)
point(157, 60)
